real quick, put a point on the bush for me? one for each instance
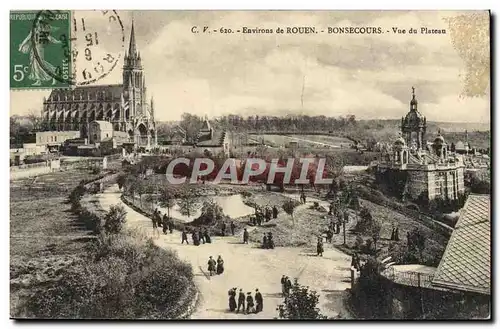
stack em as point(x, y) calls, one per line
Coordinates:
point(115, 219)
point(122, 278)
point(301, 303)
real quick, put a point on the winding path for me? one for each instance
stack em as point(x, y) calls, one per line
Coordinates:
point(249, 267)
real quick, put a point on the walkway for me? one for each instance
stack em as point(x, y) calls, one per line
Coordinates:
point(249, 267)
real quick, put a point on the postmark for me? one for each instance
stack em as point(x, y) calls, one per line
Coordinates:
point(98, 42)
point(40, 49)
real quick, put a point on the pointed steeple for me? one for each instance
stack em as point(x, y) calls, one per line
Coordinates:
point(132, 48)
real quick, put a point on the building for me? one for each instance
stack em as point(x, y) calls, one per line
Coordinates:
point(430, 170)
point(124, 106)
point(211, 141)
point(466, 263)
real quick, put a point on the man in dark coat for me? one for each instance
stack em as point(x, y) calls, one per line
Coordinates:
point(184, 237)
point(288, 285)
point(241, 301)
point(258, 301)
point(207, 236)
point(233, 227)
point(283, 285)
point(211, 265)
point(268, 214)
point(250, 304)
point(171, 225)
point(270, 241)
point(157, 215)
point(275, 212)
point(196, 240)
point(245, 236)
point(165, 224)
point(319, 247)
point(223, 229)
point(329, 236)
point(264, 242)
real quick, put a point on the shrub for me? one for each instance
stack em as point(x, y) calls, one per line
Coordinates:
point(358, 243)
point(301, 303)
point(115, 219)
point(122, 278)
point(246, 194)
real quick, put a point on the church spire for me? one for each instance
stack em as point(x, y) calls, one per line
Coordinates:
point(132, 48)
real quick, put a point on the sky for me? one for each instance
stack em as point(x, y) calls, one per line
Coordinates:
point(369, 76)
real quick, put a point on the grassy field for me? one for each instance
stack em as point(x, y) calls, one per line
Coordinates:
point(44, 235)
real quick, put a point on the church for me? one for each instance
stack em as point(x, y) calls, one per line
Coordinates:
point(125, 106)
point(429, 170)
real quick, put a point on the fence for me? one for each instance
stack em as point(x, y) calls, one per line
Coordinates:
point(409, 278)
point(30, 166)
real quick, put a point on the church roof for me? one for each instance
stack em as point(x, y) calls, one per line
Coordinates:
point(104, 92)
point(466, 263)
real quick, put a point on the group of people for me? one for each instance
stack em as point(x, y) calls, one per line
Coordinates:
point(252, 305)
point(267, 241)
point(197, 236)
point(164, 222)
point(232, 226)
point(264, 214)
point(286, 285)
point(215, 267)
point(395, 234)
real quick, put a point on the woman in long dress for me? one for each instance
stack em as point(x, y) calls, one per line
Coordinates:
point(220, 265)
point(232, 299)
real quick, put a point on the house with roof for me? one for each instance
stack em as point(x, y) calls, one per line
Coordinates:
point(460, 287)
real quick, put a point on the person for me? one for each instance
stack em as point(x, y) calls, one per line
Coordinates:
point(241, 301)
point(396, 234)
point(270, 241)
point(329, 236)
point(275, 212)
point(171, 225)
point(220, 265)
point(330, 209)
point(258, 301)
point(268, 214)
point(207, 237)
point(201, 236)
point(165, 224)
point(259, 219)
point(319, 247)
point(196, 240)
point(155, 220)
point(211, 265)
point(233, 227)
point(184, 236)
point(157, 216)
point(288, 286)
point(223, 229)
point(245, 236)
point(264, 242)
point(232, 299)
point(250, 304)
point(283, 285)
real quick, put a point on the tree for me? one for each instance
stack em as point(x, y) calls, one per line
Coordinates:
point(35, 119)
point(300, 304)
point(187, 205)
point(115, 219)
point(166, 198)
point(289, 208)
point(416, 242)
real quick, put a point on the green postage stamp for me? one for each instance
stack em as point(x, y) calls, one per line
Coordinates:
point(40, 49)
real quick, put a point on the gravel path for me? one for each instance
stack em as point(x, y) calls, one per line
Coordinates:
point(249, 267)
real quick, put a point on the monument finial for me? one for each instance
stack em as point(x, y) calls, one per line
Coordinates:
point(413, 91)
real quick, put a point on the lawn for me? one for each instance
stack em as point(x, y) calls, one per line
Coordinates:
point(44, 235)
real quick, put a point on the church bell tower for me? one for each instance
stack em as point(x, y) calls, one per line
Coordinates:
point(133, 78)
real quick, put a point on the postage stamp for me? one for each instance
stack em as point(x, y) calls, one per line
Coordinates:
point(60, 49)
point(40, 49)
